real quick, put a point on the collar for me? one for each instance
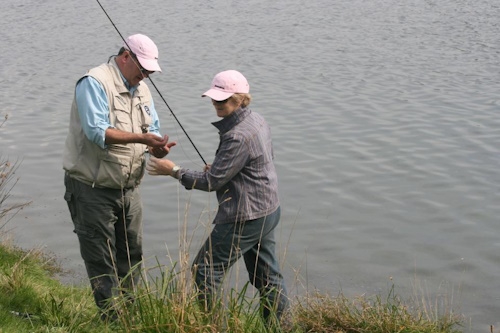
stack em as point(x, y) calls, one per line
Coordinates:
point(227, 123)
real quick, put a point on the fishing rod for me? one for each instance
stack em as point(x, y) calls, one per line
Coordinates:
point(154, 85)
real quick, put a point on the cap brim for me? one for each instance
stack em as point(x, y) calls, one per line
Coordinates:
point(150, 64)
point(217, 95)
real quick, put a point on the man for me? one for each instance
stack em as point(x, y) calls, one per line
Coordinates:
point(113, 122)
point(244, 178)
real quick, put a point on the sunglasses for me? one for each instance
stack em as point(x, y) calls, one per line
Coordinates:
point(220, 102)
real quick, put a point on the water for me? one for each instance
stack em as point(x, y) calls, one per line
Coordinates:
point(384, 118)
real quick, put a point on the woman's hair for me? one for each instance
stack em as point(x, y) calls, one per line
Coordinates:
point(245, 99)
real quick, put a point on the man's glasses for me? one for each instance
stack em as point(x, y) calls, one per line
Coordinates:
point(142, 69)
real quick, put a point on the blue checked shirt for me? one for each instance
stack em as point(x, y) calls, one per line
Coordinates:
point(242, 173)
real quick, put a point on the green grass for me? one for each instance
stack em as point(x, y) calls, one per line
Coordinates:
point(34, 301)
point(322, 313)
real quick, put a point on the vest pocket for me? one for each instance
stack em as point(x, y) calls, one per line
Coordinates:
point(123, 121)
point(114, 167)
point(122, 114)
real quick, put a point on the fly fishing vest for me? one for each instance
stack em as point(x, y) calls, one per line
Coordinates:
point(118, 165)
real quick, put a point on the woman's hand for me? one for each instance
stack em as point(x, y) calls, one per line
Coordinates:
point(157, 167)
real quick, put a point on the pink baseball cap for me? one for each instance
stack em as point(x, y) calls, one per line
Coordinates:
point(145, 50)
point(227, 83)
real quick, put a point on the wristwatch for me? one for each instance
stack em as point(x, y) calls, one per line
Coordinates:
point(175, 170)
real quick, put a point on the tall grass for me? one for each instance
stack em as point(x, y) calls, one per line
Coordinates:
point(166, 301)
point(7, 183)
point(374, 314)
point(32, 301)
point(164, 304)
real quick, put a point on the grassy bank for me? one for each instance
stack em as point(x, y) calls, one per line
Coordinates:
point(34, 301)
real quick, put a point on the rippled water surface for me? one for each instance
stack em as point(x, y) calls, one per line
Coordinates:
point(384, 117)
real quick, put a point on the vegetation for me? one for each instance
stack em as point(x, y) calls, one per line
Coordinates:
point(7, 182)
point(33, 300)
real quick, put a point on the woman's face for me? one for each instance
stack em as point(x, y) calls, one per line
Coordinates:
point(226, 107)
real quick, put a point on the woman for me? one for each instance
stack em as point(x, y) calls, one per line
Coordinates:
point(245, 180)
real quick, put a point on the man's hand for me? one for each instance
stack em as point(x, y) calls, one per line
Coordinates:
point(161, 152)
point(157, 145)
point(154, 141)
point(114, 135)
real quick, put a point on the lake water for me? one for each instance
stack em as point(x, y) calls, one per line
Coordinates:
point(385, 125)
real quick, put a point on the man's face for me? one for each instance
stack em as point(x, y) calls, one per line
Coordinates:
point(132, 69)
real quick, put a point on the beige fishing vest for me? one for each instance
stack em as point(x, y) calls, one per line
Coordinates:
point(118, 165)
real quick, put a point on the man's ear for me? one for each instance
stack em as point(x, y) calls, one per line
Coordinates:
point(122, 58)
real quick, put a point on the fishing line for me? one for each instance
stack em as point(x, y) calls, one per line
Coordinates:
point(157, 90)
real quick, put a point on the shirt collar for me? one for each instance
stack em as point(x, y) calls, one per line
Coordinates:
point(225, 124)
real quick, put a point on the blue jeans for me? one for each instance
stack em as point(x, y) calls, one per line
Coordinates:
point(254, 240)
